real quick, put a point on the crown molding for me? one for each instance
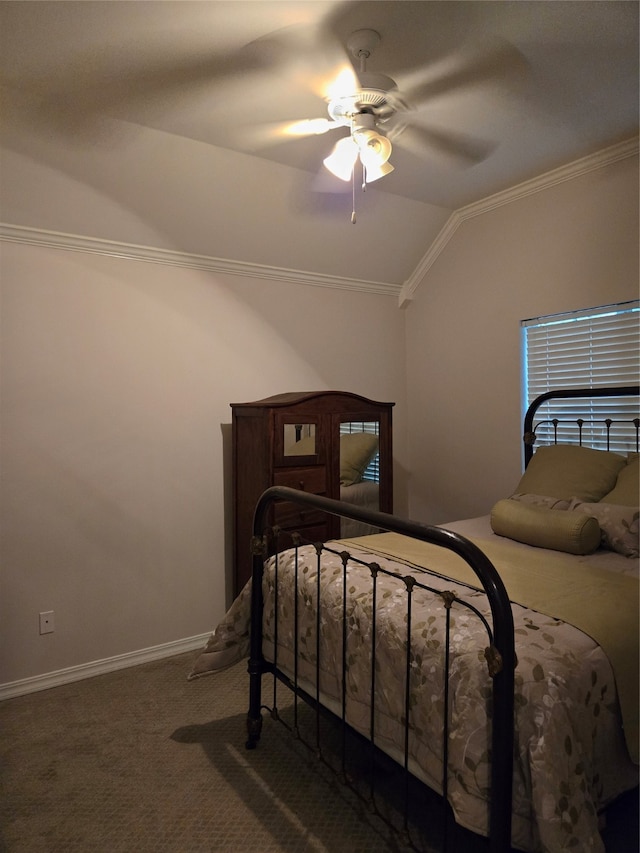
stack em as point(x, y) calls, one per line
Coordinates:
point(606, 157)
point(149, 254)
point(405, 292)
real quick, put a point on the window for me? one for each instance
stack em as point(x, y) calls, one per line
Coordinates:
point(582, 349)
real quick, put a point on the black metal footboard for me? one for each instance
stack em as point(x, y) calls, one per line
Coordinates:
point(500, 654)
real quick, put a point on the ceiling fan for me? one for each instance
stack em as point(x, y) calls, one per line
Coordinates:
point(364, 103)
point(377, 113)
point(370, 111)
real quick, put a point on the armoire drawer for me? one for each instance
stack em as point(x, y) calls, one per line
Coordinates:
point(313, 480)
point(294, 516)
point(291, 515)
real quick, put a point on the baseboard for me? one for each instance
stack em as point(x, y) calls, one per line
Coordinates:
point(99, 667)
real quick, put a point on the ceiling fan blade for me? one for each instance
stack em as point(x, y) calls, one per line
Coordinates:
point(502, 65)
point(79, 103)
point(260, 136)
point(113, 82)
point(99, 87)
point(423, 141)
point(342, 82)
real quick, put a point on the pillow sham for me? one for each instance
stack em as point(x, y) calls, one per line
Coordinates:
point(572, 532)
point(542, 500)
point(626, 491)
point(619, 525)
point(568, 470)
point(357, 449)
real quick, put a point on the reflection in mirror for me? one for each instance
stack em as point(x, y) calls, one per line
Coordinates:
point(299, 439)
point(359, 459)
point(359, 472)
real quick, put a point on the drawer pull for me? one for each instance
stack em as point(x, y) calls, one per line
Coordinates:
point(301, 484)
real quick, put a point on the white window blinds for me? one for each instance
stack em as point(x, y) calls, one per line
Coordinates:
point(585, 349)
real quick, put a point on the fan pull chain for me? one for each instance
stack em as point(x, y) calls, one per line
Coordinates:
point(353, 196)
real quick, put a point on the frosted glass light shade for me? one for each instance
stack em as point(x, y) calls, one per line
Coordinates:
point(372, 173)
point(342, 159)
point(374, 148)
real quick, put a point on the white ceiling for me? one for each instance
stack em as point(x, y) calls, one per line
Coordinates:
point(565, 83)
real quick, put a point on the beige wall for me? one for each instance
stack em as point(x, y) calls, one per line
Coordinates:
point(116, 381)
point(574, 245)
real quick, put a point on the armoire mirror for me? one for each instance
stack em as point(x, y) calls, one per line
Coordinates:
point(299, 439)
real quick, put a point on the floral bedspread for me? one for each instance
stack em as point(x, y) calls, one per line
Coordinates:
point(570, 760)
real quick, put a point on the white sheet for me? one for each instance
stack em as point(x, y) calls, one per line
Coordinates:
point(364, 494)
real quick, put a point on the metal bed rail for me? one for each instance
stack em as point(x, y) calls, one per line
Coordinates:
point(501, 633)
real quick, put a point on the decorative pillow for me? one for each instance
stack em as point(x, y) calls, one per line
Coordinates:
point(572, 532)
point(618, 525)
point(542, 500)
point(568, 470)
point(357, 449)
point(626, 491)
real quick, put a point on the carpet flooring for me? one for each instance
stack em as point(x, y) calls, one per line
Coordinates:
point(142, 761)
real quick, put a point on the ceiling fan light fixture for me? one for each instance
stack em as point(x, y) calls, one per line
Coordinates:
point(374, 155)
point(373, 172)
point(342, 159)
point(374, 148)
point(361, 109)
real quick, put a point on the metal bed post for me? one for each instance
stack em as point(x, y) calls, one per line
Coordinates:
point(256, 660)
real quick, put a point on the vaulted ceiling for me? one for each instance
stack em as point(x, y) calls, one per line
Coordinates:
point(495, 93)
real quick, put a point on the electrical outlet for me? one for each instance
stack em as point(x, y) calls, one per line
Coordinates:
point(46, 622)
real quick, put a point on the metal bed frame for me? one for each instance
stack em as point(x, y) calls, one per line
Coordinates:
point(530, 427)
point(499, 654)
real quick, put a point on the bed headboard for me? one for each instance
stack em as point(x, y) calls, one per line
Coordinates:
point(575, 428)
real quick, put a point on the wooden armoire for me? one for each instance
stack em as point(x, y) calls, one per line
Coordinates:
point(293, 440)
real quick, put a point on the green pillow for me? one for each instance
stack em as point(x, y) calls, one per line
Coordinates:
point(627, 488)
point(568, 470)
point(542, 500)
point(560, 530)
point(357, 449)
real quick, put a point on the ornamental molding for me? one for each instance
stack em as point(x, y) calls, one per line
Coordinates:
point(168, 257)
point(405, 292)
point(600, 159)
